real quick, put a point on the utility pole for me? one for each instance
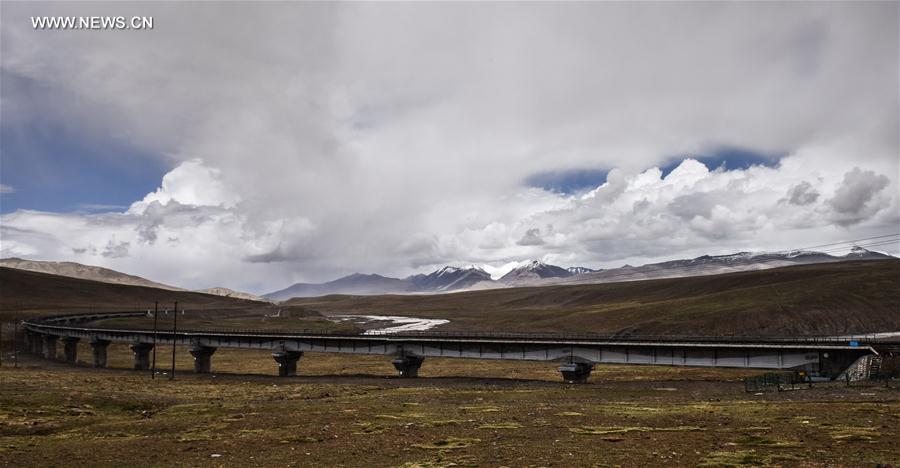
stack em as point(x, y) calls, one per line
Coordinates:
point(155, 321)
point(174, 338)
point(15, 342)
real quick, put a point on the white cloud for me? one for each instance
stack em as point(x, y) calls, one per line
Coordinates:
point(311, 140)
point(7, 189)
point(191, 183)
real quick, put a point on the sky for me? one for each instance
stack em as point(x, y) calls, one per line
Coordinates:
point(252, 146)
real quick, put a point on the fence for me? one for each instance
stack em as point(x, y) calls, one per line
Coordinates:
point(777, 380)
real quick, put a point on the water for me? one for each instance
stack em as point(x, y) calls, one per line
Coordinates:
point(386, 324)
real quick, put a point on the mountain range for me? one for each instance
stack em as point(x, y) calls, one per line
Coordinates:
point(454, 279)
point(536, 273)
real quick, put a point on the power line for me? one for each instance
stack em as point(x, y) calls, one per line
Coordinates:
point(651, 269)
point(864, 245)
point(848, 241)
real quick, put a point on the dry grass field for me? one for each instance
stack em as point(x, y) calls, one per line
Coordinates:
point(351, 411)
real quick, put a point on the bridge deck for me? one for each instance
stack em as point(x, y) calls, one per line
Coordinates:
point(826, 356)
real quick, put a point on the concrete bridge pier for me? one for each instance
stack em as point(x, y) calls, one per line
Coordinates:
point(576, 372)
point(50, 346)
point(70, 349)
point(287, 362)
point(98, 349)
point(408, 366)
point(202, 358)
point(141, 353)
point(36, 343)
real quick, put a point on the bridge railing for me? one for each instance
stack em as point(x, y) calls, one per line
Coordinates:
point(65, 322)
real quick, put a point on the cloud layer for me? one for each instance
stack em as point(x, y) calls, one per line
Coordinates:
point(309, 140)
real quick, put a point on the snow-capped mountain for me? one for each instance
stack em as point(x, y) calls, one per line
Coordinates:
point(579, 270)
point(717, 264)
point(535, 273)
point(449, 278)
point(859, 253)
point(534, 270)
point(445, 279)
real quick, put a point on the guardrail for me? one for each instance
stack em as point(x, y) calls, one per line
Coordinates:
point(851, 340)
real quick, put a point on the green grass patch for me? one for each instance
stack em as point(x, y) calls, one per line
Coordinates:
point(449, 443)
point(604, 430)
point(501, 425)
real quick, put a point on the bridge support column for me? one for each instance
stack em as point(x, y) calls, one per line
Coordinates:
point(141, 353)
point(287, 362)
point(98, 350)
point(576, 372)
point(50, 346)
point(202, 358)
point(70, 349)
point(36, 343)
point(408, 366)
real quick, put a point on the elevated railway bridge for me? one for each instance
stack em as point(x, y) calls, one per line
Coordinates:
point(577, 354)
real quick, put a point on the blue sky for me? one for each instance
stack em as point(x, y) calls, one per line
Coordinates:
point(729, 157)
point(573, 181)
point(569, 181)
point(62, 164)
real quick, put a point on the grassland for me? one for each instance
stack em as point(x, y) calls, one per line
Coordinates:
point(345, 411)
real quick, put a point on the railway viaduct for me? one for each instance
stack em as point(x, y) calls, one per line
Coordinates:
point(825, 358)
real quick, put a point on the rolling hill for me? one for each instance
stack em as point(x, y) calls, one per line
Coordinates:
point(86, 272)
point(26, 293)
point(826, 298)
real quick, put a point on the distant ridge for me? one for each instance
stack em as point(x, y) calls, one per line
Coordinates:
point(537, 273)
point(26, 293)
point(87, 272)
point(713, 265)
point(231, 293)
point(352, 284)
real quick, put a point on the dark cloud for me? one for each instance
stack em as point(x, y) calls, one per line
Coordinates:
point(531, 237)
point(695, 204)
point(274, 256)
point(802, 194)
point(852, 202)
point(115, 249)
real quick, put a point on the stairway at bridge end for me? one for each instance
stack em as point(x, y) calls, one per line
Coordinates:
point(576, 372)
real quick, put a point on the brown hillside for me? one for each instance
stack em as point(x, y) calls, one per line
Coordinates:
point(850, 297)
point(25, 293)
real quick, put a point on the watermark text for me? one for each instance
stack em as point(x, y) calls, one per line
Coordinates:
point(92, 22)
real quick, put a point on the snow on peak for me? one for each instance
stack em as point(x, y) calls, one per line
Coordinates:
point(446, 270)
